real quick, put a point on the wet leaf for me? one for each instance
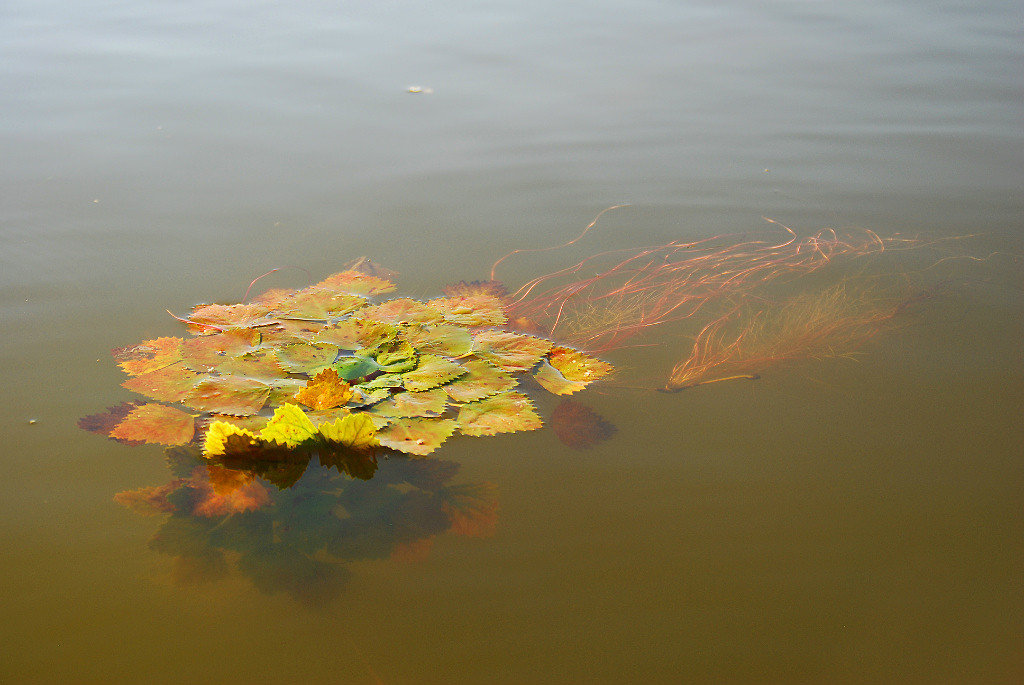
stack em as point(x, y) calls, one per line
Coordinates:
point(355, 431)
point(228, 395)
point(106, 421)
point(444, 340)
point(510, 351)
point(216, 442)
point(289, 426)
point(305, 357)
point(261, 364)
point(156, 423)
point(206, 352)
point(566, 371)
point(483, 379)
point(354, 334)
point(400, 311)
point(356, 282)
point(320, 303)
point(416, 436)
point(169, 384)
point(505, 413)
point(283, 390)
point(429, 403)
point(324, 391)
point(431, 372)
point(220, 317)
point(148, 356)
point(396, 356)
point(495, 289)
point(470, 310)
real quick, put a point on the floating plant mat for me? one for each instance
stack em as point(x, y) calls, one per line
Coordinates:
point(336, 367)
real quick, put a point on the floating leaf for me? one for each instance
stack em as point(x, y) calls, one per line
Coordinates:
point(289, 426)
point(401, 310)
point(355, 368)
point(148, 356)
point(156, 423)
point(228, 441)
point(287, 331)
point(396, 356)
point(416, 436)
point(352, 281)
point(354, 334)
point(169, 384)
point(283, 390)
point(510, 351)
point(206, 317)
point(324, 391)
point(579, 426)
point(575, 368)
point(106, 421)
point(470, 310)
point(320, 303)
point(205, 352)
point(429, 403)
point(431, 372)
point(228, 395)
point(505, 413)
point(261, 364)
point(443, 339)
point(355, 431)
point(271, 298)
point(306, 357)
point(483, 379)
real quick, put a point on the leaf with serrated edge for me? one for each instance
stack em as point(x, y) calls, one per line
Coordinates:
point(396, 356)
point(511, 351)
point(149, 355)
point(470, 310)
point(303, 357)
point(205, 352)
point(416, 436)
point(290, 426)
point(505, 413)
point(483, 379)
point(219, 432)
point(156, 423)
point(401, 310)
point(431, 372)
point(356, 282)
point(260, 364)
point(353, 334)
point(567, 370)
point(228, 395)
point(429, 403)
point(444, 339)
point(169, 384)
point(355, 431)
point(320, 303)
point(207, 317)
point(324, 391)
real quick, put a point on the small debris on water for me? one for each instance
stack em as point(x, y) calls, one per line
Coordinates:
point(419, 89)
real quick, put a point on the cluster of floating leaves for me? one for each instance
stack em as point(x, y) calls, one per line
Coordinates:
point(300, 537)
point(334, 367)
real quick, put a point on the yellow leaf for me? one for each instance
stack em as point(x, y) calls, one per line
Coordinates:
point(355, 431)
point(217, 436)
point(290, 426)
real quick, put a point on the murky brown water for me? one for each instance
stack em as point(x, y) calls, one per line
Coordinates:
point(851, 520)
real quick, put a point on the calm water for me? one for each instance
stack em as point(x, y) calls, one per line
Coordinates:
point(836, 521)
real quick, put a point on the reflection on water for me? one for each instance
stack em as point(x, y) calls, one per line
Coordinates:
point(294, 527)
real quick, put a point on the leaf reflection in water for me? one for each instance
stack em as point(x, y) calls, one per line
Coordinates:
point(294, 526)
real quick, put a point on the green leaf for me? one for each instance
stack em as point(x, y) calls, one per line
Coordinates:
point(354, 368)
point(505, 413)
point(429, 403)
point(396, 356)
point(431, 372)
point(289, 426)
point(355, 431)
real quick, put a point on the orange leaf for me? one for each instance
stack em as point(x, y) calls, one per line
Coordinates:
point(156, 423)
point(169, 384)
point(325, 391)
point(228, 395)
point(149, 355)
point(470, 310)
point(505, 413)
point(356, 282)
point(511, 351)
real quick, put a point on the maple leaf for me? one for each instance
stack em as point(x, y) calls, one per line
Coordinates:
point(169, 384)
point(566, 371)
point(416, 436)
point(148, 356)
point(320, 303)
point(106, 421)
point(444, 339)
point(355, 431)
point(504, 413)
point(357, 282)
point(401, 310)
point(205, 352)
point(431, 372)
point(511, 351)
point(289, 426)
point(156, 423)
point(481, 380)
point(578, 426)
point(470, 310)
point(228, 395)
point(325, 390)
